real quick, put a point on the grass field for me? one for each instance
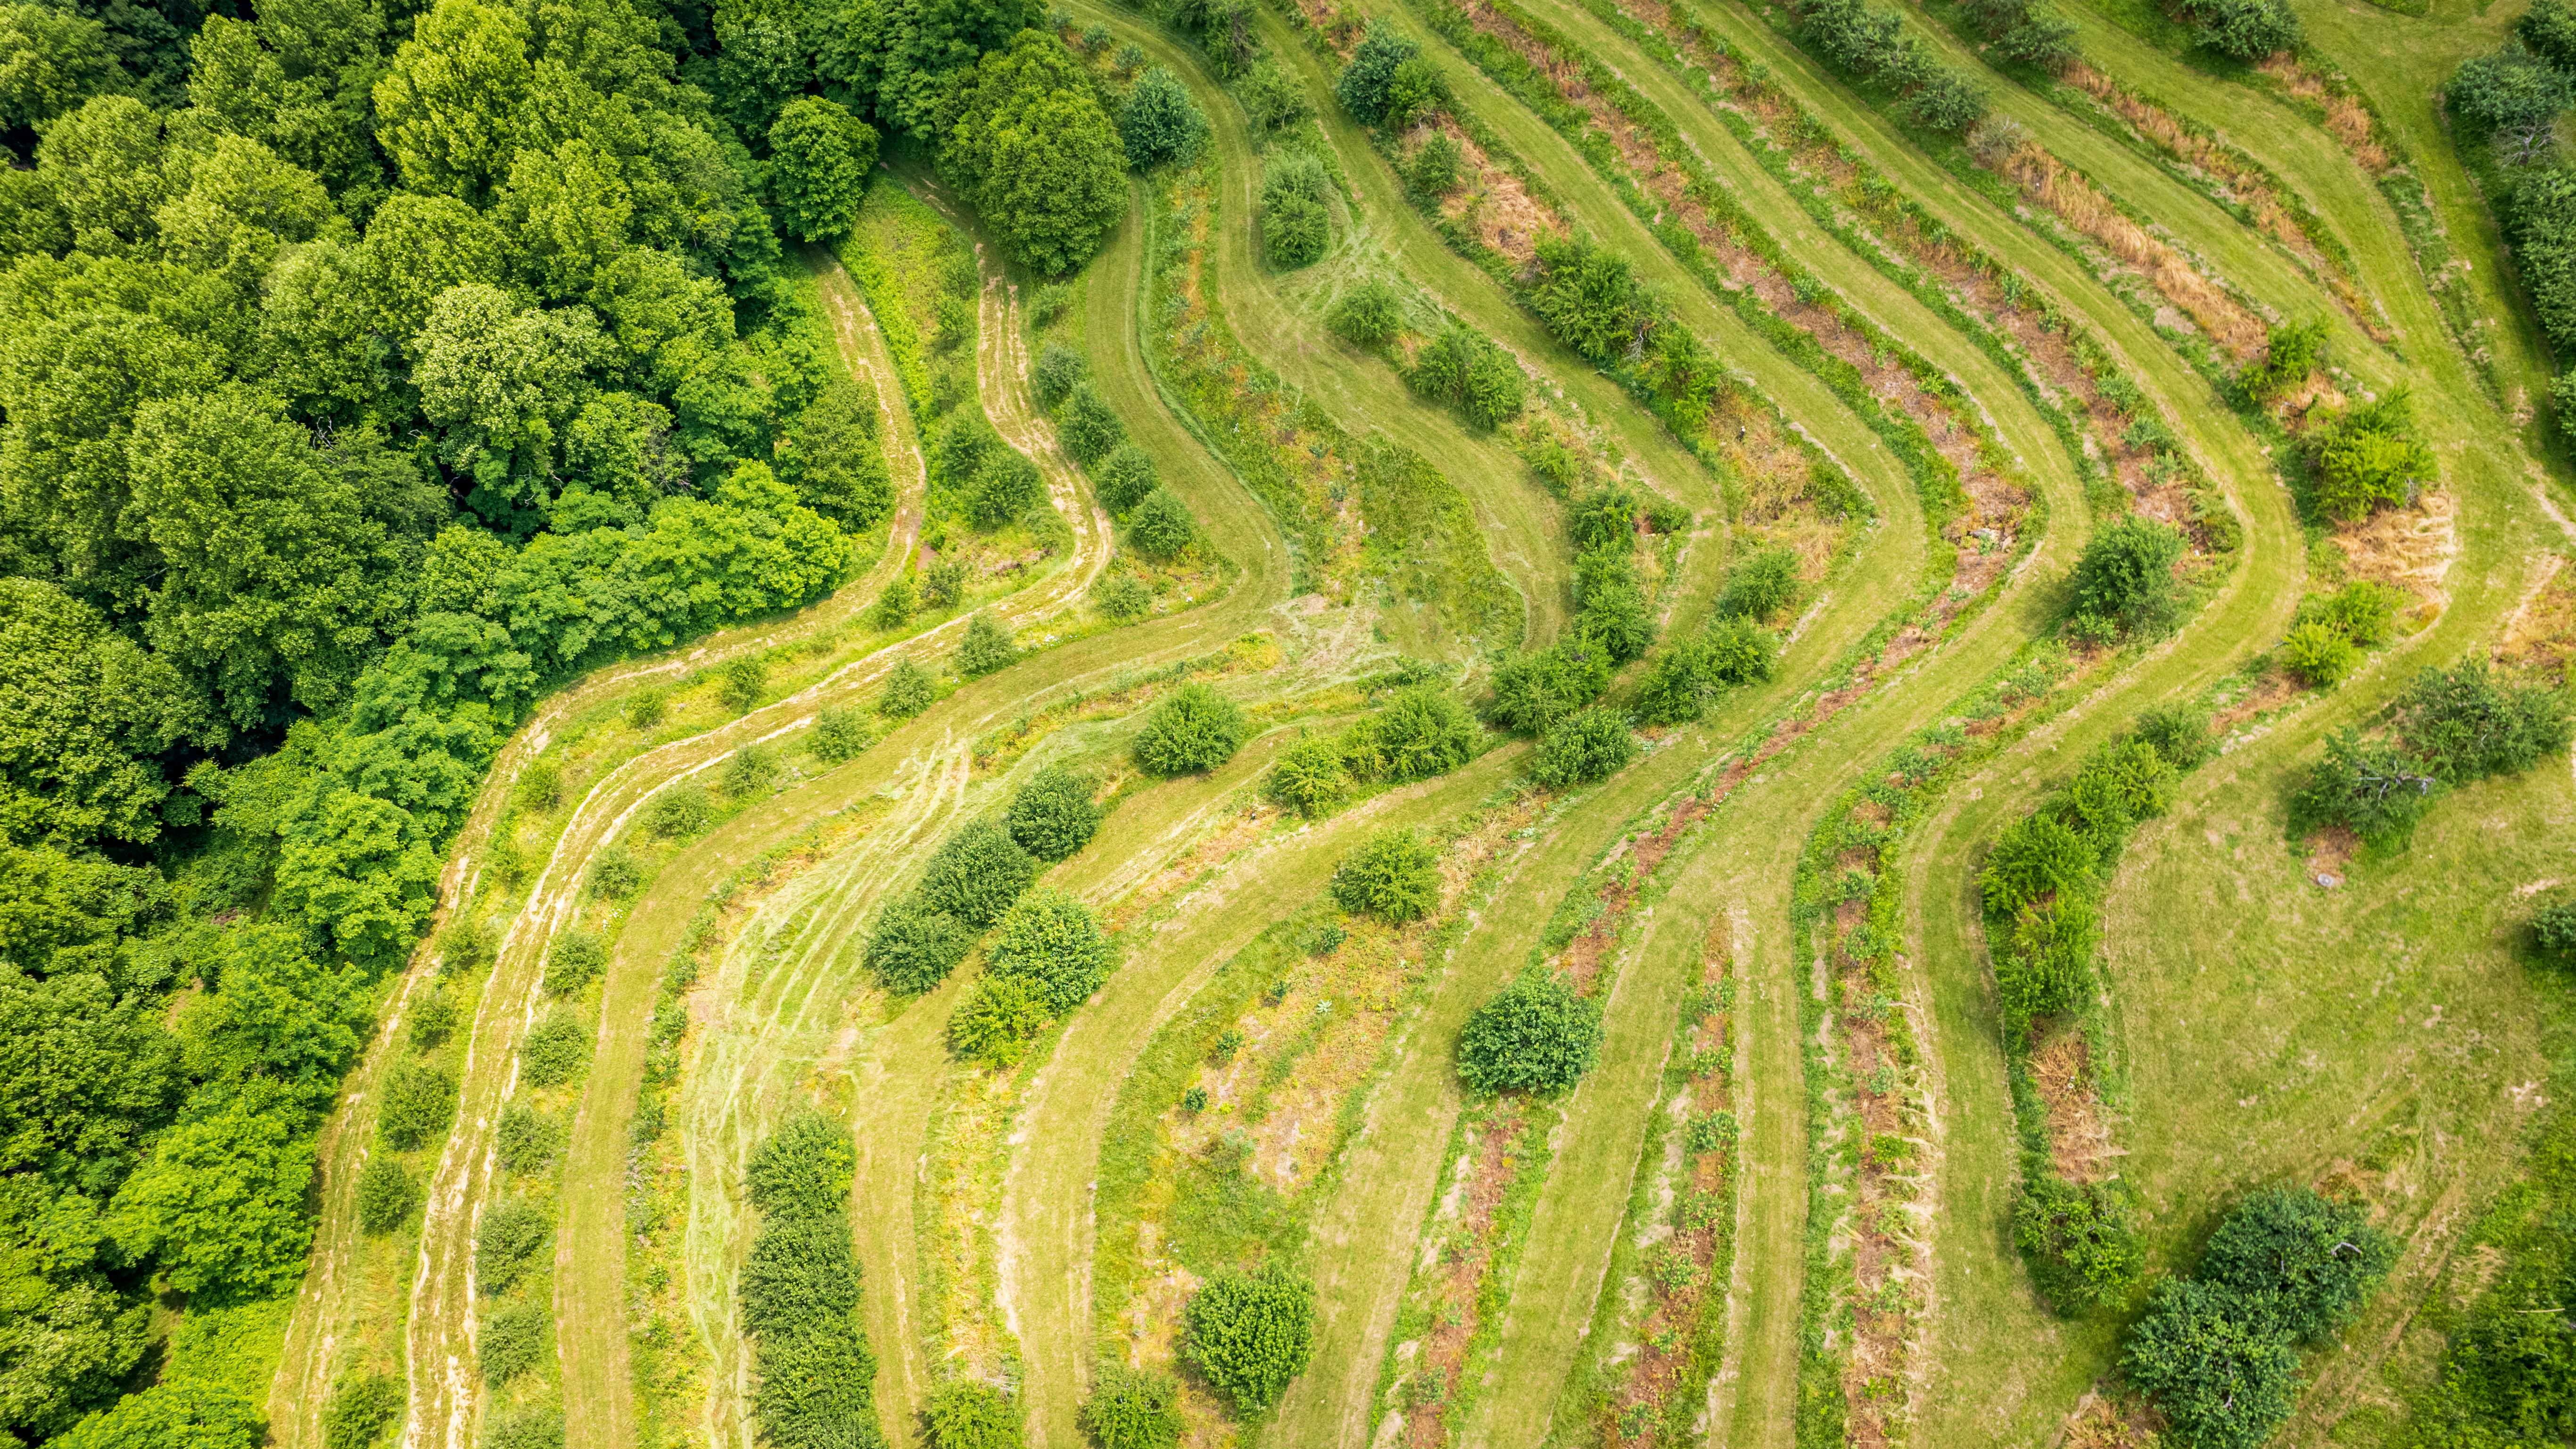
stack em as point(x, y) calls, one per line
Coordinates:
point(1896, 313)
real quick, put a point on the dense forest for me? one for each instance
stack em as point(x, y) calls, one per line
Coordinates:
point(365, 370)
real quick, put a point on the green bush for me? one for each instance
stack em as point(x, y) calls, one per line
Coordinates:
point(2294, 351)
point(1760, 585)
point(1606, 517)
point(1194, 730)
point(533, 1426)
point(554, 1051)
point(1394, 875)
point(2466, 725)
point(1295, 226)
point(513, 1342)
point(840, 733)
point(2371, 457)
point(813, 1388)
point(2548, 29)
point(1006, 486)
point(2223, 1379)
point(2180, 734)
point(2553, 931)
point(511, 1234)
point(1273, 97)
point(804, 1168)
point(386, 1195)
point(2361, 611)
point(1590, 744)
point(1414, 91)
point(2119, 784)
point(1122, 596)
point(574, 960)
point(2367, 786)
point(2308, 1261)
point(419, 1102)
point(1125, 478)
point(801, 1277)
point(2507, 90)
point(1614, 615)
point(943, 584)
point(2249, 30)
point(915, 945)
point(1370, 314)
point(1537, 1035)
point(1422, 732)
point(433, 1017)
point(1250, 1333)
point(1682, 683)
point(1054, 374)
point(976, 874)
point(1089, 428)
point(1160, 124)
point(1161, 527)
point(2045, 963)
point(2078, 1241)
point(907, 691)
point(1363, 84)
point(680, 811)
point(749, 773)
point(1052, 942)
point(527, 1140)
point(995, 1021)
point(741, 682)
point(645, 710)
point(614, 874)
point(1740, 651)
point(2037, 858)
point(986, 647)
point(1433, 169)
point(1535, 690)
point(1052, 816)
point(362, 1407)
point(2320, 656)
point(2126, 573)
point(894, 605)
point(1308, 777)
point(1132, 1408)
point(971, 1414)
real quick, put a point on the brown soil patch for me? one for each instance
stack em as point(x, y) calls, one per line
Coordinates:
point(1466, 1250)
point(2346, 118)
point(2277, 689)
point(2076, 201)
point(2410, 548)
point(2541, 636)
point(2079, 1137)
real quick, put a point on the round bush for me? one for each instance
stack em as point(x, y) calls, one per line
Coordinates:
point(1294, 231)
point(680, 811)
point(1250, 1333)
point(2126, 572)
point(1121, 597)
point(361, 1408)
point(1058, 368)
point(512, 1232)
point(840, 732)
point(1590, 744)
point(1422, 732)
point(554, 1052)
point(1006, 486)
point(1053, 943)
point(1370, 314)
point(1395, 876)
point(614, 874)
point(976, 874)
point(1161, 526)
point(386, 1195)
point(1125, 478)
point(907, 692)
point(1308, 777)
point(995, 1021)
point(803, 1170)
point(749, 772)
point(2222, 1376)
point(2319, 655)
point(2553, 930)
point(1761, 585)
point(418, 1104)
point(1161, 123)
point(513, 1342)
point(1132, 1408)
point(1739, 652)
point(1537, 1035)
point(2036, 858)
point(1052, 816)
point(433, 1017)
point(2308, 1260)
point(1089, 428)
point(915, 945)
point(986, 647)
point(1196, 729)
point(528, 1140)
point(969, 1414)
point(575, 960)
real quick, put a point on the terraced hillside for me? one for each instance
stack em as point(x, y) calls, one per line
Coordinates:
point(1555, 723)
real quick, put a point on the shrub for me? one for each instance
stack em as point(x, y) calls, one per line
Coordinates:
point(2078, 1241)
point(362, 1407)
point(813, 1387)
point(986, 647)
point(1533, 691)
point(419, 1102)
point(2367, 786)
point(2180, 734)
point(513, 1342)
point(894, 606)
point(1250, 1333)
point(1132, 1408)
point(1053, 944)
point(1308, 777)
point(1362, 86)
point(541, 786)
point(432, 1018)
point(749, 772)
point(2464, 725)
point(2553, 931)
point(2319, 655)
point(1606, 517)
point(1160, 124)
point(2307, 1261)
point(1681, 685)
point(970, 1414)
point(2223, 1380)
point(995, 1021)
point(528, 1140)
point(1760, 585)
point(943, 584)
point(1052, 816)
point(2246, 29)
point(1740, 651)
point(1125, 478)
point(915, 945)
point(2548, 29)
point(2126, 572)
point(1295, 226)
point(1394, 875)
point(741, 682)
point(840, 733)
point(680, 811)
point(1088, 427)
point(1423, 732)
point(386, 1195)
point(1162, 527)
point(575, 960)
point(534, 1426)
point(2361, 611)
point(2507, 90)
point(804, 1169)
point(1369, 314)
point(554, 1051)
point(1057, 369)
point(1414, 91)
point(1195, 729)
point(1614, 617)
point(2120, 784)
point(907, 691)
point(645, 710)
point(1272, 97)
point(507, 1241)
point(976, 874)
point(2037, 858)
point(1537, 1035)
point(1434, 165)
point(2294, 350)
point(2371, 457)
point(1006, 486)
point(1121, 597)
point(2046, 964)
point(1590, 744)
point(800, 1278)
point(614, 874)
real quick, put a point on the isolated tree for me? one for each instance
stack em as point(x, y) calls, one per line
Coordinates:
point(1394, 875)
point(1032, 149)
point(1052, 816)
point(907, 691)
point(819, 159)
point(1537, 1035)
point(1248, 1334)
point(1369, 314)
point(1161, 124)
point(1052, 944)
point(1587, 745)
point(985, 647)
point(1194, 730)
point(977, 873)
point(2126, 572)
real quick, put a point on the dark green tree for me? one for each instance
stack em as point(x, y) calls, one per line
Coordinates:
point(1394, 875)
point(1194, 730)
point(1537, 1035)
point(1248, 1334)
point(1161, 124)
point(1052, 815)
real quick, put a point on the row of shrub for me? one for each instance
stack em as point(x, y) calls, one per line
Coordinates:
point(1158, 523)
point(2449, 727)
point(1872, 43)
point(799, 1290)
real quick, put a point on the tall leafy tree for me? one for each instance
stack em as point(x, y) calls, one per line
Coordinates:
point(1027, 141)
